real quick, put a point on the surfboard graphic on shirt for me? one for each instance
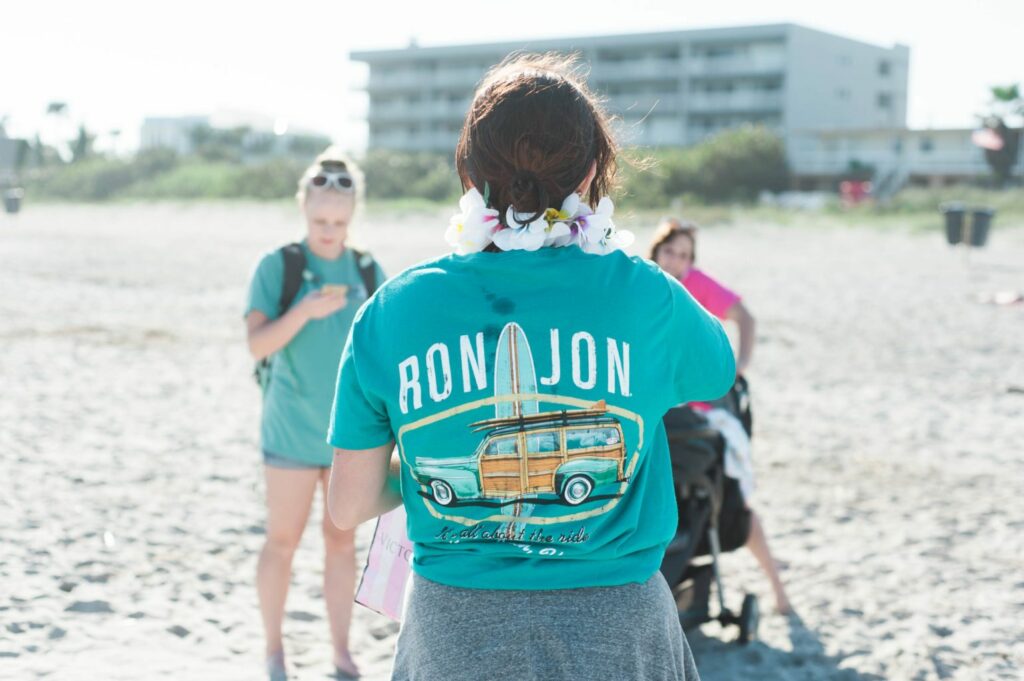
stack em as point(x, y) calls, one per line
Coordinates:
point(514, 373)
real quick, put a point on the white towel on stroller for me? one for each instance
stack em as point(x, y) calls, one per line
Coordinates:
point(738, 463)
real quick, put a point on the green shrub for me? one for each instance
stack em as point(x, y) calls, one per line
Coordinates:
point(93, 179)
point(735, 165)
point(739, 164)
point(272, 179)
point(392, 174)
point(190, 180)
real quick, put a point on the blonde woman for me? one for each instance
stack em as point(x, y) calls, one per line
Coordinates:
point(302, 300)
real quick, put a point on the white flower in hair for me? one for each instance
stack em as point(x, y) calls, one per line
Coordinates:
point(597, 233)
point(522, 234)
point(471, 230)
point(560, 221)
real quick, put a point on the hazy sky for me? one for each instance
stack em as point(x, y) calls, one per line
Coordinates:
point(117, 62)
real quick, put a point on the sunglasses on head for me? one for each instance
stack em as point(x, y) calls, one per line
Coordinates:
point(336, 179)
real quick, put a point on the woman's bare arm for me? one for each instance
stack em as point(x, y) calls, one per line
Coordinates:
point(363, 485)
point(267, 337)
point(748, 329)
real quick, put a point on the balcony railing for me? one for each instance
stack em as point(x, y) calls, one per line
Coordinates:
point(465, 78)
point(405, 111)
point(834, 162)
point(643, 103)
point(743, 100)
point(763, 63)
point(430, 141)
point(636, 69)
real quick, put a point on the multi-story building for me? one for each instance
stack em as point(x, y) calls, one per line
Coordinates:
point(665, 89)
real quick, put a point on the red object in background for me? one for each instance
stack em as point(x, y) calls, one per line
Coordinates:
point(987, 138)
point(852, 192)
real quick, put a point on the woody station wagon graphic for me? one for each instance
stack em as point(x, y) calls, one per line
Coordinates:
point(526, 456)
point(561, 455)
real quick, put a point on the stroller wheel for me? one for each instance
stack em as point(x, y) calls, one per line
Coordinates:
point(750, 618)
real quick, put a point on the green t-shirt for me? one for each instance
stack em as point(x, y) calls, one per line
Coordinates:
point(525, 391)
point(297, 399)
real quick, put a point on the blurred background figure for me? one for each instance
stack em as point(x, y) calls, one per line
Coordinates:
point(674, 249)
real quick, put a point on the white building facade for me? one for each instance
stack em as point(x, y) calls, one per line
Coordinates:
point(896, 156)
point(666, 89)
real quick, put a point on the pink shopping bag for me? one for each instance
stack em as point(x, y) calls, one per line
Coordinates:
point(388, 565)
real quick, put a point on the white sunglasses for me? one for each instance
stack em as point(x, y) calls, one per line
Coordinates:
point(327, 179)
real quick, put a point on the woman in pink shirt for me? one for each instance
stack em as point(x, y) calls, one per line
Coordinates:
point(674, 250)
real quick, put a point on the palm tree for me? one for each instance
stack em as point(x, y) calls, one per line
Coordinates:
point(57, 112)
point(114, 135)
point(1006, 102)
point(82, 148)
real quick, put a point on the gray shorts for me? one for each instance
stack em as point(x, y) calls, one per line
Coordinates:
point(625, 633)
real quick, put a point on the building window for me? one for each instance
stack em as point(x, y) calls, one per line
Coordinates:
point(927, 145)
point(884, 100)
point(713, 86)
point(884, 67)
point(719, 52)
point(611, 56)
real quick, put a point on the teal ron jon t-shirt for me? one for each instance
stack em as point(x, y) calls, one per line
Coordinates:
point(297, 400)
point(525, 392)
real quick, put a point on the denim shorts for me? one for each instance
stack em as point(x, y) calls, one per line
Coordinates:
point(278, 461)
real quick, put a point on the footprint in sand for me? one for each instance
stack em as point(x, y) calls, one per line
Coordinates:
point(91, 607)
point(302, 616)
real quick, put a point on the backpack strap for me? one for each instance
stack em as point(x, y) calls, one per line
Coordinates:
point(294, 266)
point(367, 270)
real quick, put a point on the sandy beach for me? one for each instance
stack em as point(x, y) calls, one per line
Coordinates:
point(889, 446)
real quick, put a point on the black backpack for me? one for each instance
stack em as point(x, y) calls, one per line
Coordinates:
point(294, 273)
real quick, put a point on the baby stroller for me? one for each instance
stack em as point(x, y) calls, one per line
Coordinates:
point(713, 517)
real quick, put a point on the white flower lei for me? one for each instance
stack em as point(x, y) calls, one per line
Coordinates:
point(476, 226)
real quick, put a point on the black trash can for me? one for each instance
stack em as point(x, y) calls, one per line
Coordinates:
point(12, 200)
point(954, 214)
point(981, 221)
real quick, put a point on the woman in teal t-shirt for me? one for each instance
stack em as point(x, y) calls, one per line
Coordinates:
point(523, 380)
point(303, 345)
